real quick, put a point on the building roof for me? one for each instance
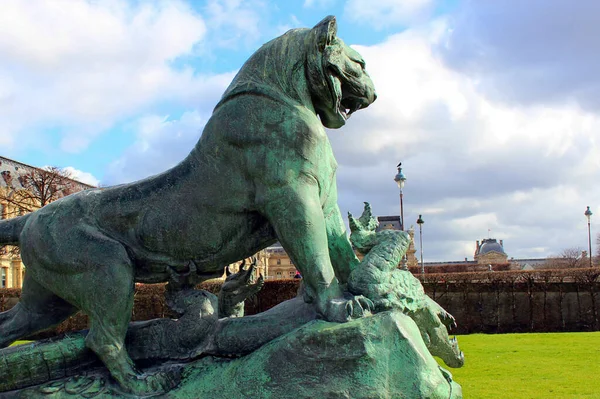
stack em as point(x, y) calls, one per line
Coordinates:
point(490, 245)
point(388, 222)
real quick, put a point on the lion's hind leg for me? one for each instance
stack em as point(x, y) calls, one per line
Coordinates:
point(103, 288)
point(37, 310)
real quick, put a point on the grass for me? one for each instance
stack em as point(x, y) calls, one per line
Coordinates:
point(530, 366)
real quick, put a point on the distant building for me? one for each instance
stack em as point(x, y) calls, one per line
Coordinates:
point(490, 252)
point(529, 263)
point(12, 269)
point(273, 263)
point(280, 266)
point(262, 264)
point(489, 256)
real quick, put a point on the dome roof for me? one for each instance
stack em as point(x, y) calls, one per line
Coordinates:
point(490, 245)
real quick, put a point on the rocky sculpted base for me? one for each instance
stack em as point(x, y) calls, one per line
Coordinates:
point(362, 359)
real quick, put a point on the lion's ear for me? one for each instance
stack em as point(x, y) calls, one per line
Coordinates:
point(326, 31)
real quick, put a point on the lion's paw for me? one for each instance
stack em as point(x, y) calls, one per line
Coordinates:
point(345, 309)
point(148, 385)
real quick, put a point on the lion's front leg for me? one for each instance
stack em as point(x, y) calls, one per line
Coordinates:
point(343, 258)
point(296, 215)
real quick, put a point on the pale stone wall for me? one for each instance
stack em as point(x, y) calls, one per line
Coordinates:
point(280, 264)
point(11, 267)
point(11, 271)
point(492, 258)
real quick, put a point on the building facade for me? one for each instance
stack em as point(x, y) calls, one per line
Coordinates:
point(490, 252)
point(280, 266)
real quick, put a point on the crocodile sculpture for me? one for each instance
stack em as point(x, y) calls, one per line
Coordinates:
point(237, 288)
point(378, 278)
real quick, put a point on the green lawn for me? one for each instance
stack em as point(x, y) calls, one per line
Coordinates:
point(530, 366)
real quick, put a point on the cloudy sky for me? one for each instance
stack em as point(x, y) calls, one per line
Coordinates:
point(492, 106)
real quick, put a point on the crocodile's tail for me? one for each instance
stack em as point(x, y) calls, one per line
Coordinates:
point(10, 229)
point(39, 362)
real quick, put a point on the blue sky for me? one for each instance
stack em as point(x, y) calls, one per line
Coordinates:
point(491, 106)
point(233, 30)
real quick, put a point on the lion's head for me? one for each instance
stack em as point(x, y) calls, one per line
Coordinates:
point(338, 81)
point(308, 65)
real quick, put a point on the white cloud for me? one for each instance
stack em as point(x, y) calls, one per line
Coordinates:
point(474, 159)
point(385, 13)
point(161, 142)
point(82, 66)
point(526, 172)
point(94, 34)
point(81, 176)
point(235, 22)
point(534, 52)
point(472, 163)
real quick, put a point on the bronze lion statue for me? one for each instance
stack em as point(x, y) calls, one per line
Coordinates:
point(263, 170)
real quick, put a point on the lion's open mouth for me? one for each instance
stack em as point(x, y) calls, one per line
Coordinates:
point(350, 105)
point(347, 97)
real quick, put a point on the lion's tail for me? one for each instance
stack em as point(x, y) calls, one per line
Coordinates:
point(10, 229)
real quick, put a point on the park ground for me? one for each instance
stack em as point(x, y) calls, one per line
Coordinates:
point(530, 366)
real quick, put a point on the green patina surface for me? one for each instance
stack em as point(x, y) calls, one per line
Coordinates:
point(378, 278)
point(285, 347)
point(262, 171)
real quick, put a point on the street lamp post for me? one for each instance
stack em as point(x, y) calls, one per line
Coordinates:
point(420, 222)
point(400, 179)
point(588, 215)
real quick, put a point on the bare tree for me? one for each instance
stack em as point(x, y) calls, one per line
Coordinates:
point(568, 258)
point(34, 189)
point(31, 190)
